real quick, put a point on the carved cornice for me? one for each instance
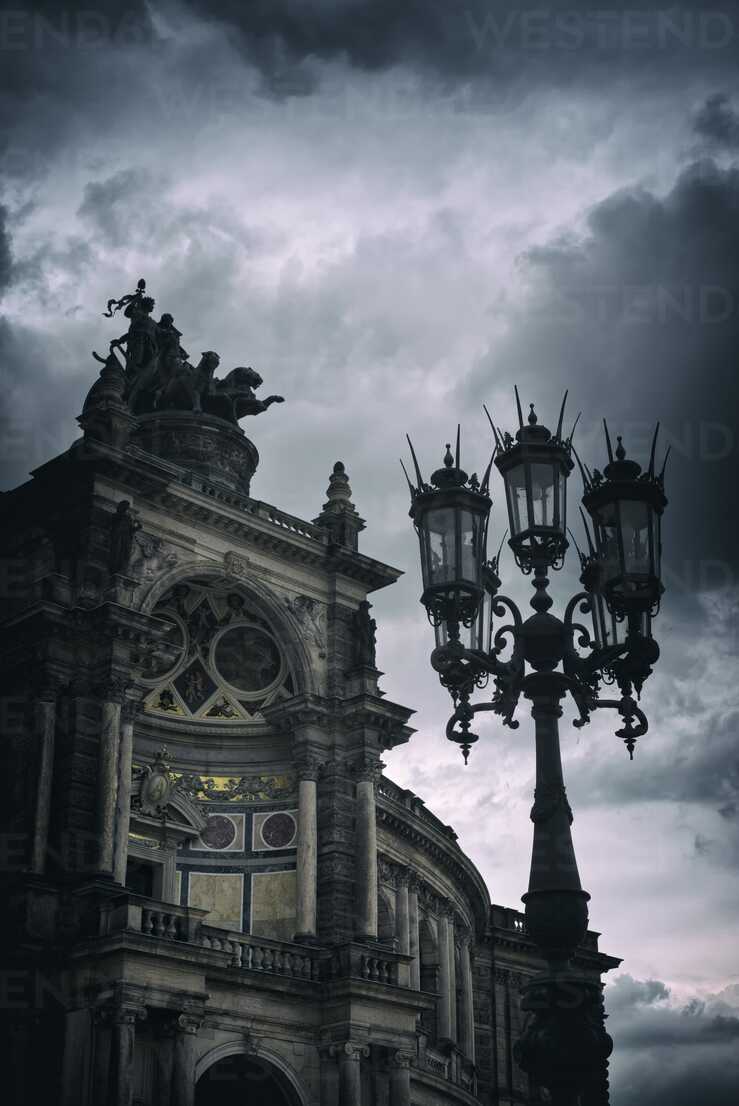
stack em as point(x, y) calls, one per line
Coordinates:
point(407, 827)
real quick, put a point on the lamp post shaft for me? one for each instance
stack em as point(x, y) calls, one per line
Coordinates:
point(553, 863)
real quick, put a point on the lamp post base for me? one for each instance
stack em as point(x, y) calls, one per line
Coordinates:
point(564, 1045)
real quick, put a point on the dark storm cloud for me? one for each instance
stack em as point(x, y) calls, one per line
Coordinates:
point(6, 256)
point(717, 123)
point(38, 380)
point(670, 1054)
point(644, 307)
point(477, 38)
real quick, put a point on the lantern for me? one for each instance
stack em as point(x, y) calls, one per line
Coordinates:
point(625, 506)
point(451, 520)
point(535, 467)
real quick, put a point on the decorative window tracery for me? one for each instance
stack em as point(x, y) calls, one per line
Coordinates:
point(229, 663)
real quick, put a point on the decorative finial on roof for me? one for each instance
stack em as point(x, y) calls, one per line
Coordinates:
point(339, 514)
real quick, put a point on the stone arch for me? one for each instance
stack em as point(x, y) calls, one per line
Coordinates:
point(286, 1078)
point(277, 613)
point(428, 955)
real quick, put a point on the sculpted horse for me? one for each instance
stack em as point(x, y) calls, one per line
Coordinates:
point(239, 386)
point(190, 388)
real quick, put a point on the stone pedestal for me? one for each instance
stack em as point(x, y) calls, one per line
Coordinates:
point(211, 447)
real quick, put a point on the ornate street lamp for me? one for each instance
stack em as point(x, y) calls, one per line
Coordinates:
point(564, 1045)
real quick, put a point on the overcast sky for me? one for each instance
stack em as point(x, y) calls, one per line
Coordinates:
point(394, 212)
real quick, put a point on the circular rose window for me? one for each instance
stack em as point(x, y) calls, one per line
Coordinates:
point(247, 658)
point(278, 830)
point(219, 833)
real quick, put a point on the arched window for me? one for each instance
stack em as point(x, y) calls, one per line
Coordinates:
point(428, 950)
point(228, 662)
point(385, 918)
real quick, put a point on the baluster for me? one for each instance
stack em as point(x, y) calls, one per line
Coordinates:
point(171, 929)
point(268, 960)
point(159, 923)
point(258, 957)
point(148, 923)
point(238, 952)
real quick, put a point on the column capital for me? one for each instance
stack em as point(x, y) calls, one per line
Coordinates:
point(401, 1059)
point(46, 686)
point(130, 709)
point(404, 876)
point(308, 763)
point(111, 689)
point(188, 1022)
point(414, 881)
point(127, 1013)
point(349, 1050)
point(367, 768)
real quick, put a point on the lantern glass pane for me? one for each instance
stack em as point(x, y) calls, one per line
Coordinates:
point(471, 552)
point(560, 518)
point(440, 524)
point(518, 514)
point(635, 531)
point(542, 494)
point(607, 525)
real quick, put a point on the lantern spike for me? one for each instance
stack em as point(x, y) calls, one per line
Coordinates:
point(500, 549)
point(652, 452)
point(415, 462)
point(485, 486)
point(591, 547)
point(586, 478)
point(558, 432)
point(518, 408)
point(411, 489)
point(661, 476)
point(498, 441)
point(456, 463)
point(577, 547)
point(609, 447)
point(574, 428)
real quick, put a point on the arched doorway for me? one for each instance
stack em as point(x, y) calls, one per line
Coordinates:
point(242, 1080)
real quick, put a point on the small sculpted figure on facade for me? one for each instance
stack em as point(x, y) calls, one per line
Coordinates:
point(365, 632)
point(123, 527)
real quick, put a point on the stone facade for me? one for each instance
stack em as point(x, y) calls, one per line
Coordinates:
point(213, 893)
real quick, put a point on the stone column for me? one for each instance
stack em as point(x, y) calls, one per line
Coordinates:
point(402, 900)
point(186, 1026)
point(123, 1043)
point(414, 942)
point(350, 1072)
point(467, 1029)
point(45, 726)
point(444, 1024)
point(111, 694)
point(366, 922)
point(307, 852)
point(123, 797)
point(400, 1079)
point(452, 980)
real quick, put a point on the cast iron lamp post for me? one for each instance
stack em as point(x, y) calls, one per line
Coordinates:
point(564, 1045)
